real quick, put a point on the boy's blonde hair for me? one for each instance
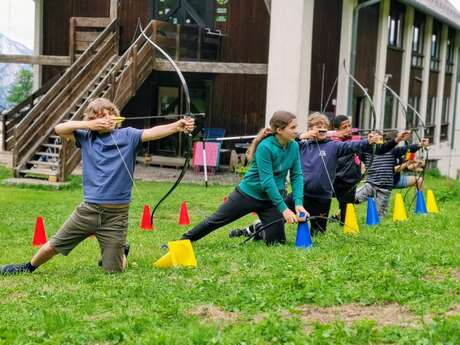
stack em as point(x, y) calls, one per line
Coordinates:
point(317, 119)
point(97, 106)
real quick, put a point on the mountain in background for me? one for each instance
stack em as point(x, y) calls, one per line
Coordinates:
point(8, 71)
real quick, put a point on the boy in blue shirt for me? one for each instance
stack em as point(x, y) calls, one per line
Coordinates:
point(109, 156)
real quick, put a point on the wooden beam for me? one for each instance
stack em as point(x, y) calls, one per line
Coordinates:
point(49, 60)
point(114, 9)
point(213, 67)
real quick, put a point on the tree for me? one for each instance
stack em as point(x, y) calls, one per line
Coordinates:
point(22, 88)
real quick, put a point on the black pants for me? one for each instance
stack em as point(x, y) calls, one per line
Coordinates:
point(315, 207)
point(237, 206)
point(345, 194)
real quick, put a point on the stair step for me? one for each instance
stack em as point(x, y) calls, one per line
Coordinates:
point(43, 172)
point(43, 163)
point(54, 146)
point(49, 154)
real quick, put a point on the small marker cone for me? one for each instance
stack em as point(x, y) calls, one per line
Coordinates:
point(431, 205)
point(372, 214)
point(39, 234)
point(146, 223)
point(351, 223)
point(399, 210)
point(184, 219)
point(420, 206)
point(303, 238)
point(180, 254)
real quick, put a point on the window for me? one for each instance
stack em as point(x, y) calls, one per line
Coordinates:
point(430, 118)
point(417, 41)
point(450, 51)
point(193, 12)
point(412, 120)
point(395, 26)
point(445, 119)
point(435, 46)
point(389, 120)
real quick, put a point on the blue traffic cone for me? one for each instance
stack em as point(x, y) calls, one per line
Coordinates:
point(420, 206)
point(372, 215)
point(303, 238)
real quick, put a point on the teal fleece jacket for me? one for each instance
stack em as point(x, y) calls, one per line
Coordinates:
point(266, 177)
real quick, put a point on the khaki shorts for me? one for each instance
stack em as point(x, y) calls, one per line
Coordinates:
point(109, 225)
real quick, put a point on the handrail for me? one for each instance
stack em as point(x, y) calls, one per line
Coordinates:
point(73, 69)
point(13, 116)
point(61, 90)
point(68, 94)
point(108, 87)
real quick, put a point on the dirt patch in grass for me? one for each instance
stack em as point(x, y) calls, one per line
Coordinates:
point(210, 312)
point(383, 315)
point(439, 276)
point(454, 310)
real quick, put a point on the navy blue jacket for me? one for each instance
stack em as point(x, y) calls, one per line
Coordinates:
point(316, 181)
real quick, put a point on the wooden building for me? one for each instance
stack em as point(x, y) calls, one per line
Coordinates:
point(245, 59)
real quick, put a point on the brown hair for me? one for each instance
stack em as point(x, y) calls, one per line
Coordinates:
point(316, 119)
point(279, 120)
point(97, 106)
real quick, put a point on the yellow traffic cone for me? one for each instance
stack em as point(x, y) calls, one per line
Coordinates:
point(351, 224)
point(431, 205)
point(180, 254)
point(399, 210)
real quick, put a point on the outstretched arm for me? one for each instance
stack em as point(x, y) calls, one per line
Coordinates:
point(184, 125)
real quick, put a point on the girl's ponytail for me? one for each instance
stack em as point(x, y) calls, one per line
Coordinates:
point(280, 119)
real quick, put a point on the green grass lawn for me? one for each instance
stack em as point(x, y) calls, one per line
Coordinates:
point(395, 283)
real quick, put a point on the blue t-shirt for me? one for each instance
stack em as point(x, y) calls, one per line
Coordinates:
point(105, 177)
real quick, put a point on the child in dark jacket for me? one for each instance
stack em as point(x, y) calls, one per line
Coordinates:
point(319, 156)
point(348, 173)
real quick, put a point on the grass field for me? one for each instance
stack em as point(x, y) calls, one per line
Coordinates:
point(394, 284)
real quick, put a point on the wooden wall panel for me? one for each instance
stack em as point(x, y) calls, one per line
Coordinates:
point(56, 16)
point(448, 85)
point(393, 67)
point(130, 10)
point(325, 53)
point(433, 86)
point(247, 32)
point(367, 48)
point(415, 84)
point(239, 103)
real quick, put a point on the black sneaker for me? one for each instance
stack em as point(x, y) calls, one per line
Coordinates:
point(126, 248)
point(15, 269)
point(246, 232)
point(236, 233)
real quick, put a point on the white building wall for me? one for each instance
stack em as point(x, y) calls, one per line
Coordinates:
point(289, 58)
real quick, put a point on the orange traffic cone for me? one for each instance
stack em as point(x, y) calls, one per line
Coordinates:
point(39, 234)
point(184, 219)
point(146, 222)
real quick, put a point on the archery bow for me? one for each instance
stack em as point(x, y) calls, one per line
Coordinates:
point(404, 107)
point(187, 113)
point(374, 122)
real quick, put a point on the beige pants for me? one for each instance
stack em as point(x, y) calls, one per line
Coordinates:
point(110, 225)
